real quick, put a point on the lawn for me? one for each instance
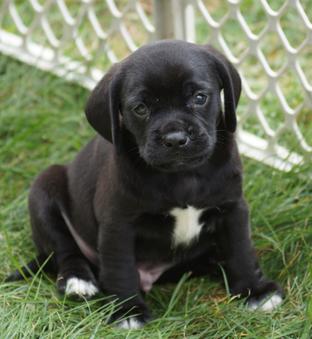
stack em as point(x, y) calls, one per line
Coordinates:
point(42, 122)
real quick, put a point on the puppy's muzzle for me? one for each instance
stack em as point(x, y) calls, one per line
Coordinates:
point(176, 144)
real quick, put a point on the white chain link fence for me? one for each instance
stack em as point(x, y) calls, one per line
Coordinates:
point(271, 46)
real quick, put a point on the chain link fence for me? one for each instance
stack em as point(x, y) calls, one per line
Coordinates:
point(270, 42)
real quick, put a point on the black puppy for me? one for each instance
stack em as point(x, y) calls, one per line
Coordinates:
point(158, 192)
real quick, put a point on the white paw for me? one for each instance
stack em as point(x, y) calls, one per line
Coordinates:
point(131, 323)
point(266, 304)
point(80, 287)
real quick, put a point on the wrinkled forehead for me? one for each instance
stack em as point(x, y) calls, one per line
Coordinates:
point(169, 71)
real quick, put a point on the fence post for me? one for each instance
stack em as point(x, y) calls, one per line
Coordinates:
point(174, 19)
point(163, 19)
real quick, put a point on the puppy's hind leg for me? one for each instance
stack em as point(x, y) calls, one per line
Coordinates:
point(51, 234)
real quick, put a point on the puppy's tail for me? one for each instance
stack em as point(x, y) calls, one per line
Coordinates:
point(40, 263)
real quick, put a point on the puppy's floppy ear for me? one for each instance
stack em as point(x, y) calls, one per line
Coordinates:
point(102, 109)
point(231, 83)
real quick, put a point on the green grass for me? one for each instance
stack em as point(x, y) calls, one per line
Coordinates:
point(42, 122)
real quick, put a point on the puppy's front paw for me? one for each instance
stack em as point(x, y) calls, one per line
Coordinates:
point(77, 288)
point(266, 303)
point(266, 297)
point(131, 323)
point(131, 317)
point(80, 287)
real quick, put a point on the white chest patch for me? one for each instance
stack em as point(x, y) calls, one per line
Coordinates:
point(186, 226)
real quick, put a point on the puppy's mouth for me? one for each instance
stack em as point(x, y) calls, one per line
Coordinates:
point(182, 164)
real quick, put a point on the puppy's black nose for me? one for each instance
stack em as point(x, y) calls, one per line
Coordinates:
point(176, 139)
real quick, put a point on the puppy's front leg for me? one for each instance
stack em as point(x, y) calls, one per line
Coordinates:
point(118, 274)
point(243, 272)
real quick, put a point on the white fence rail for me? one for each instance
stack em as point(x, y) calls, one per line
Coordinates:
point(272, 48)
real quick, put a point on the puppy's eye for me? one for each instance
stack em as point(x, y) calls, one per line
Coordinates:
point(141, 110)
point(200, 99)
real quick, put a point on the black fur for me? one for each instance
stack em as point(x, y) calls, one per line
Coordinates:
point(118, 196)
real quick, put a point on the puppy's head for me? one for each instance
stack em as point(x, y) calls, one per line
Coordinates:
point(166, 96)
